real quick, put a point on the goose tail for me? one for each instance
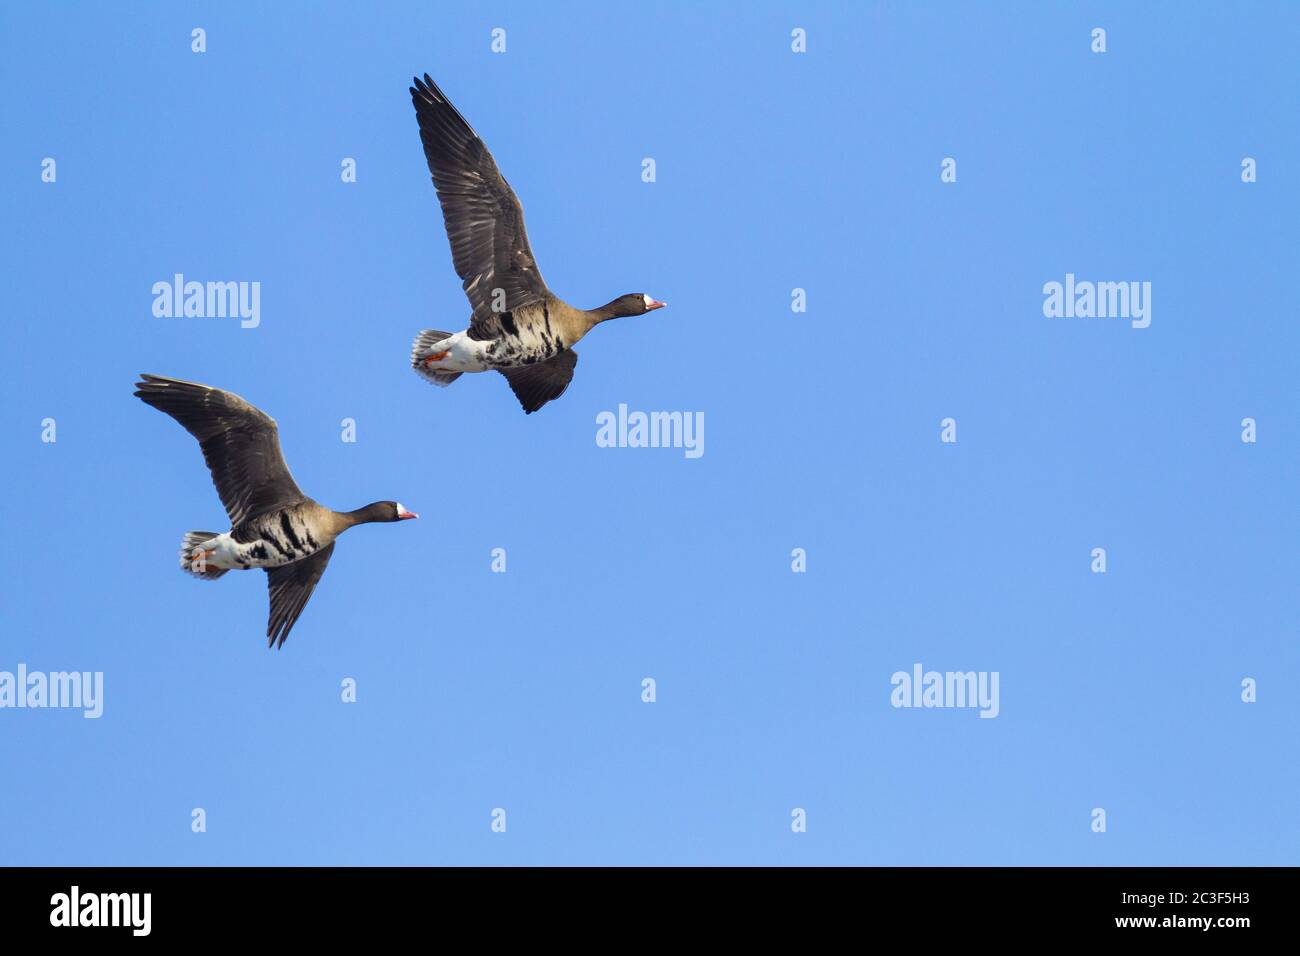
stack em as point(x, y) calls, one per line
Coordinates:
point(424, 344)
point(192, 555)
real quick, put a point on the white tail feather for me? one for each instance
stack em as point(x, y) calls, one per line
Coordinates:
point(425, 343)
point(190, 555)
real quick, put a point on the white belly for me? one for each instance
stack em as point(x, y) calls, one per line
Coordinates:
point(231, 555)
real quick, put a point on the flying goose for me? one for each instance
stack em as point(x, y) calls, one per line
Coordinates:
point(518, 327)
point(273, 525)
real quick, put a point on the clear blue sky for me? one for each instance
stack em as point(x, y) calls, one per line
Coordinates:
point(775, 170)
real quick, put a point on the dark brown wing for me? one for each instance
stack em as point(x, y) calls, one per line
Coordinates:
point(291, 586)
point(485, 223)
point(240, 444)
point(535, 385)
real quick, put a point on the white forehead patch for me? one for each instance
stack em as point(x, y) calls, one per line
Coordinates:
point(401, 509)
point(648, 301)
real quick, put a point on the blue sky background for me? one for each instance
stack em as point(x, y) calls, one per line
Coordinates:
point(522, 690)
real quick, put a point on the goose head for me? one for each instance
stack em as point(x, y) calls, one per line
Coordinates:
point(381, 511)
point(634, 303)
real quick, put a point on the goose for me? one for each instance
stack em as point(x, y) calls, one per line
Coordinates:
point(518, 326)
point(273, 525)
